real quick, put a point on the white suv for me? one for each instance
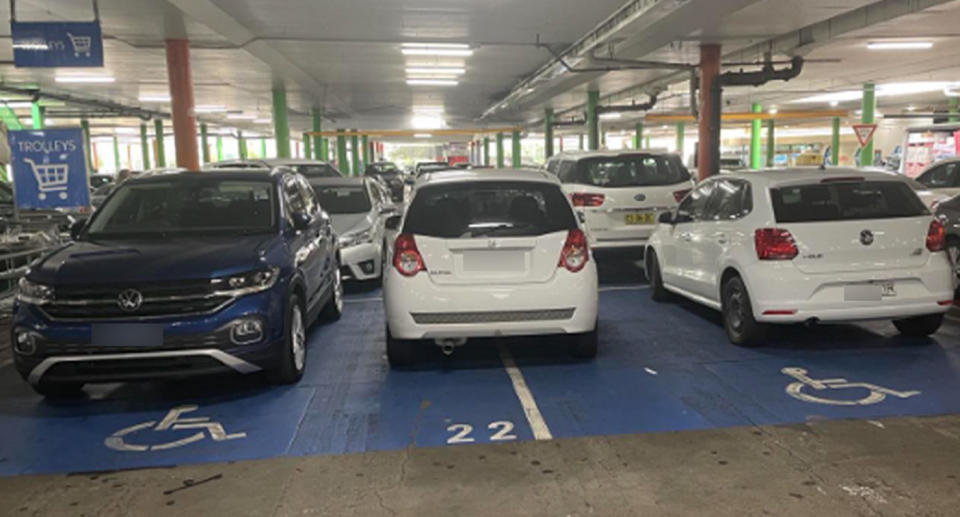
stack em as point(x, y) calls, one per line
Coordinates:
point(804, 245)
point(620, 194)
point(489, 253)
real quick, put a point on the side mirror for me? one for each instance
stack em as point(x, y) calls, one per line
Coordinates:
point(77, 228)
point(665, 218)
point(393, 223)
point(301, 221)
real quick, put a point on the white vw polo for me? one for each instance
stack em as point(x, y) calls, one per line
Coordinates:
point(489, 253)
point(804, 245)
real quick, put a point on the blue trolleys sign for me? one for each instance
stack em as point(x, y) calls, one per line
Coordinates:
point(49, 169)
point(49, 44)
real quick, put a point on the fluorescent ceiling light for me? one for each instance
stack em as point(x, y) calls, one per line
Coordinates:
point(431, 82)
point(125, 131)
point(18, 104)
point(209, 109)
point(899, 45)
point(427, 122)
point(773, 111)
point(422, 135)
point(428, 109)
point(834, 103)
point(882, 90)
point(262, 121)
point(85, 79)
point(432, 77)
point(610, 116)
point(446, 52)
point(437, 70)
point(154, 98)
point(240, 116)
point(952, 90)
point(435, 45)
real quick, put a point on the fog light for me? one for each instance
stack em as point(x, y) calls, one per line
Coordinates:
point(25, 342)
point(246, 331)
point(367, 267)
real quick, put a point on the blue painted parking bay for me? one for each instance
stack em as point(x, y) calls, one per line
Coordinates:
point(660, 368)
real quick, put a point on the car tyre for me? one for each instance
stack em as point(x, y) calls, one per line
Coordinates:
point(400, 352)
point(293, 353)
point(657, 291)
point(59, 390)
point(953, 251)
point(919, 326)
point(584, 346)
point(334, 308)
point(738, 321)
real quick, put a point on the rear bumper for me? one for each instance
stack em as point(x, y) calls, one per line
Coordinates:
point(416, 308)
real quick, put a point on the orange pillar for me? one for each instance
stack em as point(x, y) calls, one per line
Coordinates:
point(181, 100)
point(708, 148)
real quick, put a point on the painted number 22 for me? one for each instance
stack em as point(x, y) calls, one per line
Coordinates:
point(461, 432)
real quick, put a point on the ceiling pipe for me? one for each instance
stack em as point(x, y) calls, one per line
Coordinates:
point(120, 109)
point(765, 75)
point(629, 108)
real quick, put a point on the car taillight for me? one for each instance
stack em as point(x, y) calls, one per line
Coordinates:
point(680, 194)
point(936, 236)
point(774, 244)
point(576, 253)
point(406, 256)
point(586, 199)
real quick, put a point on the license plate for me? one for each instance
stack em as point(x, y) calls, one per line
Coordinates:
point(139, 335)
point(641, 218)
point(887, 289)
point(872, 292)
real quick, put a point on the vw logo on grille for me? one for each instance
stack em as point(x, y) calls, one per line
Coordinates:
point(640, 197)
point(866, 237)
point(130, 300)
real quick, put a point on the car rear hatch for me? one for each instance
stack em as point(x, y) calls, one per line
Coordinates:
point(853, 226)
point(498, 261)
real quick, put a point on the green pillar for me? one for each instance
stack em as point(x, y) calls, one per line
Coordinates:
point(320, 150)
point(500, 150)
point(241, 145)
point(87, 149)
point(342, 162)
point(355, 154)
point(116, 153)
point(161, 159)
point(771, 143)
point(515, 155)
point(868, 107)
point(681, 131)
point(755, 153)
point(486, 151)
point(204, 143)
point(263, 148)
point(548, 132)
point(593, 122)
point(638, 136)
point(36, 115)
point(281, 131)
point(144, 146)
point(219, 148)
point(307, 147)
point(953, 109)
point(647, 142)
point(365, 142)
point(835, 142)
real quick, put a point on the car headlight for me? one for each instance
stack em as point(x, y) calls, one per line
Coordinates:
point(34, 293)
point(356, 238)
point(246, 283)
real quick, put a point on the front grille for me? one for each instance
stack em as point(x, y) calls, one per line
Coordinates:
point(93, 302)
point(445, 318)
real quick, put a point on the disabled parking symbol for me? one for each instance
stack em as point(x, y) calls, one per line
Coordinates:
point(172, 421)
point(804, 387)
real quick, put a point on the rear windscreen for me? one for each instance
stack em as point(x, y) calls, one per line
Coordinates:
point(636, 170)
point(845, 202)
point(489, 209)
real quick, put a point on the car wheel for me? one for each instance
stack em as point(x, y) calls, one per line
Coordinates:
point(919, 326)
point(400, 352)
point(657, 291)
point(738, 321)
point(59, 390)
point(584, 346)
point(293, 353)
point(334, 308)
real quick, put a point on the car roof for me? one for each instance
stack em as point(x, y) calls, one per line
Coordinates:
point(458, 175)
point(275, 162)
point(346, 181)
point(219, 174)
point(799, 175)
point(606, 153)
point(941, 162)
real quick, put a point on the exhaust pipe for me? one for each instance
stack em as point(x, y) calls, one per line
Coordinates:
point(812, 322)
point(448, 345)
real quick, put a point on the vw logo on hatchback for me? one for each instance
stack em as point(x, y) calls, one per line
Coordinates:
point(130, 300)
point(866, 237)
point(640, 197)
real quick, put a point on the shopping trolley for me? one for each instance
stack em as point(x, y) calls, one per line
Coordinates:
point(50, 178)
point(81, 44)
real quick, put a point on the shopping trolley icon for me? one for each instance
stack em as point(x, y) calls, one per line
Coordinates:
point(81, 44)
point(51, 177)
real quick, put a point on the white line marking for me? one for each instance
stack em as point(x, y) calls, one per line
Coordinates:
point(651, 371)
point(362, 300)
point(537, 424)
point(624, 288)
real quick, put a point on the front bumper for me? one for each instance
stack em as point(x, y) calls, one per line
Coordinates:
point(191, 345)
point(361, 262)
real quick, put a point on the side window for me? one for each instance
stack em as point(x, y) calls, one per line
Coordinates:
point(293, 196)
point(310, 202)
point(939, 177)
point(695, 205)
point(376, 193)
point(955, 172)
point(567, 172)
point(733, 199)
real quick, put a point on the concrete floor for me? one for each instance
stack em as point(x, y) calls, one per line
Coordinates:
point(898, 466)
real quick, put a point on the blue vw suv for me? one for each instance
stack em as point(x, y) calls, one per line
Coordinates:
point(181, 275)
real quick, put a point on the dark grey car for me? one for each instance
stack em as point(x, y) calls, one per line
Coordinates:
point(949, 213)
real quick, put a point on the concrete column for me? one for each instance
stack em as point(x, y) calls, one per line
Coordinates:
point(548, 132)
point(755, 124)
point(181, 103)
point(116, 153)
point(500, 159)
point(771, 143)
point(708, 126)
point(868, 107)
point(307, 147)
point(365, 142)
point(593, 122)
point(486, 151)
point(241, 145)
point(144, 146)
point(638, 136)
point(87, 149)
point(681, 132)
point(281, 130)
point(342, 163)
point(204, 143)
point(158, 153)
point(355, 154)
point(515, 155)
point(835, 142)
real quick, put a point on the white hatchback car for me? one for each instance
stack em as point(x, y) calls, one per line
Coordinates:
point(804, 245)
point(489, 253)
point(620, 194)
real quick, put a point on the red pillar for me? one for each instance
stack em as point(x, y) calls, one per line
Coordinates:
point(181, 99)
point(708, 149)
